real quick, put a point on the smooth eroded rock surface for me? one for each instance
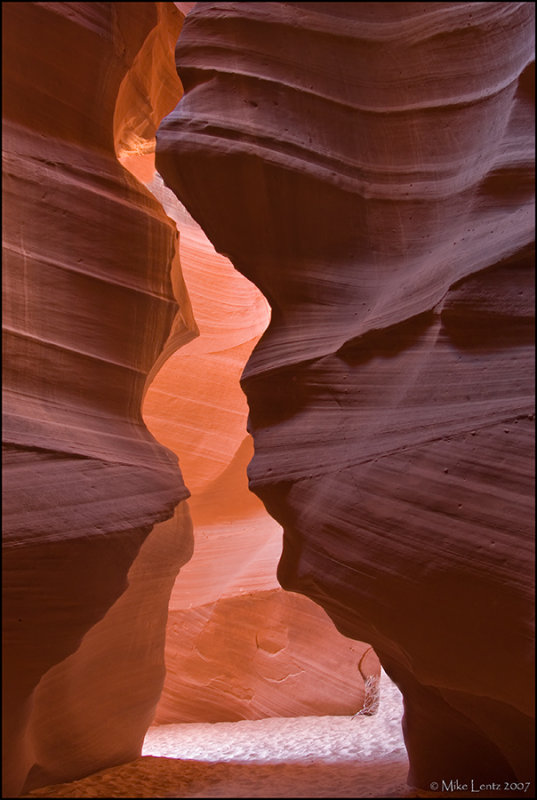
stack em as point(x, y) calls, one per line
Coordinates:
point(226, 600)
point(369, 166)
point(265, 654)
point(88, 311)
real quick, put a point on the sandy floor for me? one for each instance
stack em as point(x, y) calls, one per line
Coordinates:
point(295, 757)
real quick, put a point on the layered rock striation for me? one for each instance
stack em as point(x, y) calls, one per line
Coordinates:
point(95, 523)
point(237, 645)
point(89, 311)
point(262, 654)
point(369, 167)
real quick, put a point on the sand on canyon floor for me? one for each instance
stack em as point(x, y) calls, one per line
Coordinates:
point(361, 756)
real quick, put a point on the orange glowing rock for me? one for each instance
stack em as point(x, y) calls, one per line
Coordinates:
point(227, 597)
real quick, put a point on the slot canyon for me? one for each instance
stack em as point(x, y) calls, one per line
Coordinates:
point(268, 385)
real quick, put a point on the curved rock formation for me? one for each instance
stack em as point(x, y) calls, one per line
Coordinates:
point(369, 167)
point(89, 312)
point(226, 602)
point(90, 319)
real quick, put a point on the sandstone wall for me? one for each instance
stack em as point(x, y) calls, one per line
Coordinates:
point(88, 311)
point(95, 527)
point(369, 167)
point(226, 603)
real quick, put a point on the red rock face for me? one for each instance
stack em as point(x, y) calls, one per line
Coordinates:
point(89, 311)
point(95, 531)
point(264, 654)
point(94, 305)
point(369, 167)
point(226, 604)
